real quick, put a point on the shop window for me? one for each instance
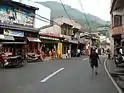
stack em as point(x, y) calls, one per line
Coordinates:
point(117, 20)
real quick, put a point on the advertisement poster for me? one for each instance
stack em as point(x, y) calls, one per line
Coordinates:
point(10, 15)
point(13, 33)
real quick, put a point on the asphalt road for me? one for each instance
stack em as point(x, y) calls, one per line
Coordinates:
point(56, 76)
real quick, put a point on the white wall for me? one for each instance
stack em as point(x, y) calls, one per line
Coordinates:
point(43, 11)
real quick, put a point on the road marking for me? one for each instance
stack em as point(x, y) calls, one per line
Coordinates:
point(51, 75)
point(113, 81)
point(86, 59)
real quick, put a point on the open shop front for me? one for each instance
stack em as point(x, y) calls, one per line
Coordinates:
point(50, 47)
point(117, 44)
point(12, 50)
point(12, 42)
point(13, 47)
point(33, 52)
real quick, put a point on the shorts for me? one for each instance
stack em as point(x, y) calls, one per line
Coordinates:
point(94, 65)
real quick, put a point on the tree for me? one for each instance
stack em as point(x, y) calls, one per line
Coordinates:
point(97, 42)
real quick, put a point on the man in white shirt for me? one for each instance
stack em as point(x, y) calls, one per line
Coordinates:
point(78, 51)
point(69, 53)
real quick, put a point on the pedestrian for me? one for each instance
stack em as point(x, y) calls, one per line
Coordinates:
point(78, 52)
point(69, 53)
point(93, 59)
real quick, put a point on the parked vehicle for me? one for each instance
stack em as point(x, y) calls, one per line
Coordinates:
point(11, 61)
point(31, 57)
point(3, 60)
point(119, 59)
point(15, 61)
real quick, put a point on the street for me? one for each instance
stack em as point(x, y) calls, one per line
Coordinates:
point(56, 76)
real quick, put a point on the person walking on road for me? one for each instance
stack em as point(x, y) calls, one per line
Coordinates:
point(78, 52)
point(93, 58)
point(69, 53)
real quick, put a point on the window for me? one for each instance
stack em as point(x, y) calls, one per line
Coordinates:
point(117, 20)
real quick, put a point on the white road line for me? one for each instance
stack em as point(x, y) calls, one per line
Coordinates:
point(85, 59)
point(113, 81)
point(51, 75)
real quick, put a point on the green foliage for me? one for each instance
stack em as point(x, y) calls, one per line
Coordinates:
point(97, 42)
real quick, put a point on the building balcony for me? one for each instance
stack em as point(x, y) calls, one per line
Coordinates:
point(116, 31)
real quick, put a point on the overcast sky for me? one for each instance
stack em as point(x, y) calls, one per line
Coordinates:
point(98, 8)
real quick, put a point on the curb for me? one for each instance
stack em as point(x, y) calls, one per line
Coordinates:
point(113, 81)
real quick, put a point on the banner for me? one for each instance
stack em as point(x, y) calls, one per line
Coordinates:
point(59, 50)
point(13, 33)
point(12, 15)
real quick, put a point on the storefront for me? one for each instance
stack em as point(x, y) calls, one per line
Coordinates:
point(51, 38)
point(74, 47)
point(66, 44)
point(12, 41)
point(51, 46)
point(33, 44)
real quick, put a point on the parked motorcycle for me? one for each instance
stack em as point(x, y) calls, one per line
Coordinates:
point(15, 61)
point(11, 61)
point(119, 59)
point(3, 60)
point(33, 57)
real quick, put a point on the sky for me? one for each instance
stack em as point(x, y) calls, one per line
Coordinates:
point(98, 8)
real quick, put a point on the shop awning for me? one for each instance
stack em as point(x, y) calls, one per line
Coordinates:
point(4, 37)
point(49, 38)
point(73, 41)
point(31, 39)
point(9, 38)
point(13, 42)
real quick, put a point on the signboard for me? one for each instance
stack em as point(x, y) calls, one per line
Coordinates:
point(10, 15)
point(49, 38)
point(13, 33)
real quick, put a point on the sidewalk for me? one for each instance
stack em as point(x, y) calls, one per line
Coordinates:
point(117, 73)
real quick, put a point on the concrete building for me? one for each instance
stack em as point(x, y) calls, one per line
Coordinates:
point(70, 30)
point(17, 27)
point(117, 21)
point(63, 33)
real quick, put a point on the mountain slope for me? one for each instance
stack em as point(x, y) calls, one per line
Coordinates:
point(58, 11)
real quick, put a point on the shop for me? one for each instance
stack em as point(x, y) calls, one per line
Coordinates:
point(12, 41)
point(51, 46)
point(66, 44)
point(74, 47)
point(51, 38)
point(117, 44)
point(32, 41)
point(15, 41)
